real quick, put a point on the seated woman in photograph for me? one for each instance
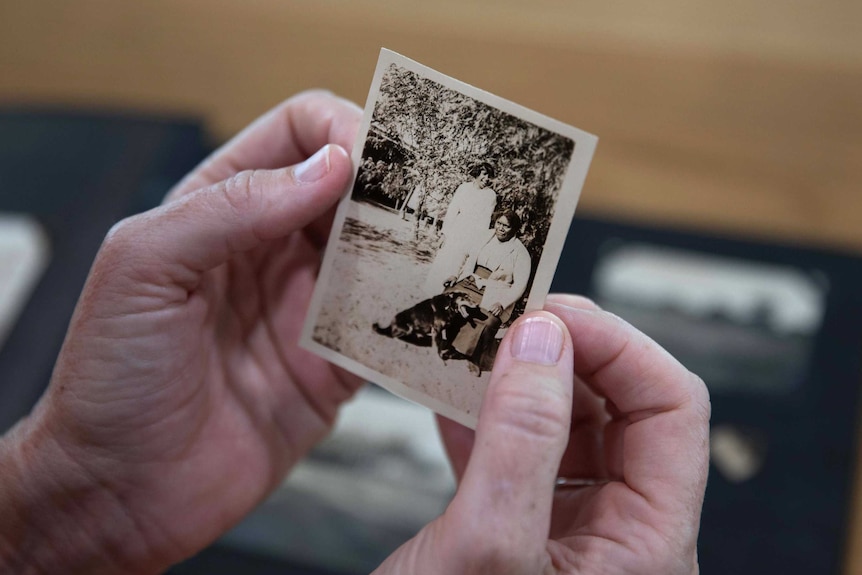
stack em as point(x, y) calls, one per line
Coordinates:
point(494, 277)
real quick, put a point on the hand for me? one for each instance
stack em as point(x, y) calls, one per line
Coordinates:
point(496, 310)
point(625, 415)
point(180, 398)
point(450, 281)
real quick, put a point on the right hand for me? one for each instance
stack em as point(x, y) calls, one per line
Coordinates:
point(450, 281)
point(593, 398)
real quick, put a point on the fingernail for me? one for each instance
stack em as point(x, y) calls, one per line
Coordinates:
point(538, 340)
point(314, 167)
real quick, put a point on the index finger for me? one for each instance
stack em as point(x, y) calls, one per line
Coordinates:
point(665, 407)
point(286, 135)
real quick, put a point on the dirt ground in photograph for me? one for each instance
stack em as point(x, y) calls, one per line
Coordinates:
point(379, 267)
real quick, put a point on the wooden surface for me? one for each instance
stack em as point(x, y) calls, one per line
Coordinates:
point(722, 116)
point(736, 116)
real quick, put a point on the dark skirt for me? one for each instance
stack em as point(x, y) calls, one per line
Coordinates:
point(476, 342)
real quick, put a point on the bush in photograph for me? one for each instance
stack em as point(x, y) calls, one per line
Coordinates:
point(424, 138)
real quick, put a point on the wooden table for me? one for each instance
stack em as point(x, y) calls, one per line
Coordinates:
point(735, 117)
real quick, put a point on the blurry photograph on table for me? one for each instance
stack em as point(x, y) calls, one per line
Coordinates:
point(453, 228)
point(745, 327)
point(25, 253)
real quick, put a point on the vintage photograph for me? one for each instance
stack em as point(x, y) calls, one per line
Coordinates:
point(454, 226)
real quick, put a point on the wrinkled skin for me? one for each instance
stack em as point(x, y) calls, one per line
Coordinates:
point(180, 398)
point(180, 389)
point(626, 414)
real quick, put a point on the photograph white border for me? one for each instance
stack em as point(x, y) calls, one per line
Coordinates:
point(564, 210)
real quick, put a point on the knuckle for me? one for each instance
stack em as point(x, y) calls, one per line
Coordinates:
point(313, 98)
point(117, 258)
point(119, 229)
point(120, 238)
point(240, 191)
point(537, 409)
point(312, 94)
point(700, 397)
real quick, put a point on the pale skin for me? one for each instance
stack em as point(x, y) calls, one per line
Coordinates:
point(482, 179)
point(180, 398)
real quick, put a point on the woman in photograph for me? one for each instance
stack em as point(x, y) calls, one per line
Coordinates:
point(473, 201)
point(494, 276)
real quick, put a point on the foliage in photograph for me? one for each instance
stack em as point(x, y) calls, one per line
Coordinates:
point(424, 138)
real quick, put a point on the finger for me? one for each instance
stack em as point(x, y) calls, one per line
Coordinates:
point(662, 407)
point(571, 300)
point(175, 243)
point(508, 486)
point(458, 442)
point(287, 134)
point(584, 457)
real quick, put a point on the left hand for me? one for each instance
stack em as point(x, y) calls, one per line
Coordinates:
point(180, 398)
point(496, 310)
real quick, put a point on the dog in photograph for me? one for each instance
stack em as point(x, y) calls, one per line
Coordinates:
point(434, 321)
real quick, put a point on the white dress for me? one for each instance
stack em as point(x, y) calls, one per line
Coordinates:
point(465, 224)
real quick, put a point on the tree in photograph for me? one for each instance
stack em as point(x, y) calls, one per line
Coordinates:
point(440, 133)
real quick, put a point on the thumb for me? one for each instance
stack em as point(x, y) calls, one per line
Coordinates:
point(180, 240)
point(508, 487)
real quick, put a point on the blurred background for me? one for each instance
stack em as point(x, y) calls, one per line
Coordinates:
point(730, 140)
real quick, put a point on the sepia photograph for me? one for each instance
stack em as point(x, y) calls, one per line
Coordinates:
point(453, 228)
